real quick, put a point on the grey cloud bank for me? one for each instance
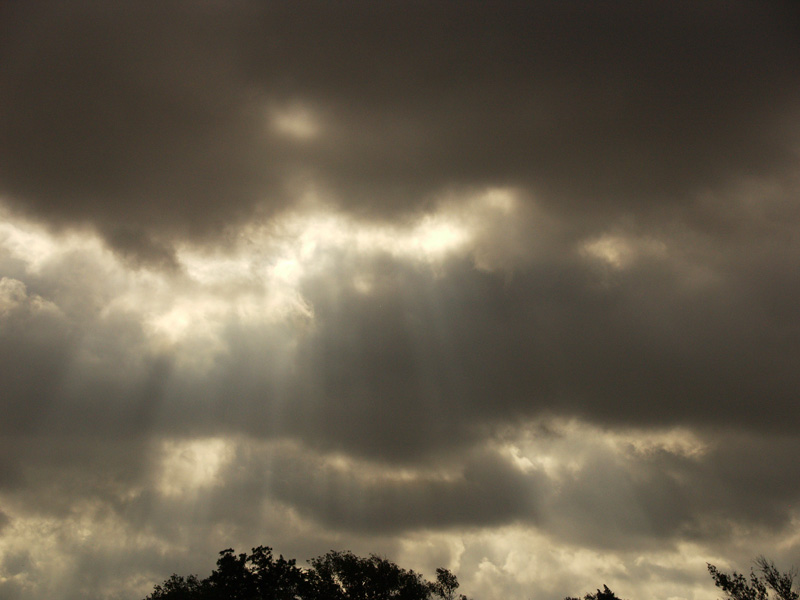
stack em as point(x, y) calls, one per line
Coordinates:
point(151, 122)
point(506, 289)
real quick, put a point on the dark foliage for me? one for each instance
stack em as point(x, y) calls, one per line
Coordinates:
point(333, 576)
point(604, 594)
point(446, 585)
point(178, 587)
point(762, 579)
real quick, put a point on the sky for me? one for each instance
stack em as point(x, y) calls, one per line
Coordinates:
point(509, 288)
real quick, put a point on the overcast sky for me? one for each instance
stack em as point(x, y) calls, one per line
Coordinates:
point(508, 288)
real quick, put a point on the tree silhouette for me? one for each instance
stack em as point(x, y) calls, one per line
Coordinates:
point(765, 577)
point(604, 594)
point(445, 585)
point(332, 576)
point(177, 587)
point(347, 576)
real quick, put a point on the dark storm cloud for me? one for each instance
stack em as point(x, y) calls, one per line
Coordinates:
point(35, 339)
point(602, 103)
point(425, 361)
point(423, 365)
point(152, 122)
point(131, 118)
point(430, 357)
point(488, 492)
point(69, 367)
point(609, 501)
point(53, 478)
point(647, 498)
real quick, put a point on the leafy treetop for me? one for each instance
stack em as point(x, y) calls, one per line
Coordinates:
point(762, 579)
point(333, 576)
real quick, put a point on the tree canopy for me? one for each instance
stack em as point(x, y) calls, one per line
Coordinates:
point(604, 594)
point(765, 577)
point(332, 576)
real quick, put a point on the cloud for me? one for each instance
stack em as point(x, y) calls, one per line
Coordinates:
point(338, 332)
point(131, 121)
point(643, 345)
point(300, 328)
point(179, 122)
point(509, 289)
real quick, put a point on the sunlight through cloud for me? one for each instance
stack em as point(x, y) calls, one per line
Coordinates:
point(295, 121)
point(190, 466)
point(620, 251)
